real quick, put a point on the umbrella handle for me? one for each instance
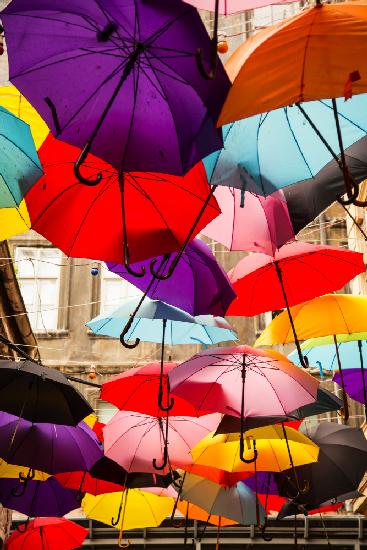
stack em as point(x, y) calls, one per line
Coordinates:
point(266, 538)
point(242, 449)
point(79, 163)
point(25, 479)
point(126, 330)
point(165, 460)
point(22, 527)
point(170, 400)
point(115, 522)
point(210, 75)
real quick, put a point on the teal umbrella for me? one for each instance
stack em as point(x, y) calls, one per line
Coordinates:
point(20, 167)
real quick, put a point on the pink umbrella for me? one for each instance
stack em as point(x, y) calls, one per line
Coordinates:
point(262, 225)
point(243, 381)
point(133, 440)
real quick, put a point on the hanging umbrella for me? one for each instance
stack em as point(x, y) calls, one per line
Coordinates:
point(51, 448)
point(20, 167)
point(203, 283)
point(93, 222)
point(325, 402)
point(139, 389)
point(217, 475)
point(135, 97)
point(260, 224)
point(325, 39)
point(133, 440)
point(237, 503)
point(12, 100)
point(40, 394)
point(84, 482)
point(256, 150)
point(336, 314)
point(340, 467)
point(265, 283)
point(195, 512)
point(268, 445)
point(241, 382)
point(291, 508)
point(42, 533)
point(40, 498)
point(355, 384)
point(320, 352)
point(108, 470)
point(130, 509)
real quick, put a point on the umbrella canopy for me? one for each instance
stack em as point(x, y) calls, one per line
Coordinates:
point(195, 512)
point(256, 150)
point(14, 221)
point(212, 380)
point(51, 448)
point(84, 482)
point(42, 533)
point(148, 324)
point(122, 78)
point(20, 167)
point(40, 394)
point(325, 357)
point(204, 285)
point(12, 100)
point(88, 222)
point(355, 383)
point(271, 446)
point(137, 389)
point(327, 39)
point(336, 314)
point(218, 476)
point(40, 498)
point(261, 224)
point(237, 503)
point(265, 283)
point(12, 471)
point(325, 402)
point(340, 467)
point(133, 440)
point(131, 509)
point(291, 508)
point(108, 470)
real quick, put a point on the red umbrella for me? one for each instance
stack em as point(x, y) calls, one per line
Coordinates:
point(296, 273)
point(98, 430)
point(139, 390)
point(84, 482)
point(45, 533)
point(151, 213)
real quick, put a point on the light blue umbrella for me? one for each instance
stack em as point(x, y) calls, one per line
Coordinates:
point(20, 167)
point(270, 151)
point(325, 358)
point(149, 321)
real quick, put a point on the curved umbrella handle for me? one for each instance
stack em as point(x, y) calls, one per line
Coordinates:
point(24, 479)
point(79, 163)
point(124, 333)
point(210, 75)
point(352, 196)
point(165, 460)
point(116, 521)
point(242, 449)
point(266, 538)
point(170, 270)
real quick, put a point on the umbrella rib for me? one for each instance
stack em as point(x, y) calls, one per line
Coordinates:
point(341, 115)
point(296, 142)
point(22, 151)
point(167, 25)
point(109, 17)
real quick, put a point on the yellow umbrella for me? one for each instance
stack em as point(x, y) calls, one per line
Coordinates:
point(16, 103)
point(328, 315)
point(14, 221)
point(21, 472)
point(130, 509)
point(276, 448)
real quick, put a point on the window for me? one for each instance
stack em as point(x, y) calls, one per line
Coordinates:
point(114, 289)
point(105, 411)
point(38, 272)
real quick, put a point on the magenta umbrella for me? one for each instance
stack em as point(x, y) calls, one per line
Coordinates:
point(133, 440)
point(262, 224)
point(244, 382)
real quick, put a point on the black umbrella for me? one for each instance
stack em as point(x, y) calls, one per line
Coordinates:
point(40, 394)
point(341, 466)
point(291, 508)
point(106, 469)
point(325, 402)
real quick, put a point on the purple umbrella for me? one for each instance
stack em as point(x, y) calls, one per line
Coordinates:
point(355, 383)
point(199, 285)
point(41, 498)
point(119, 78)
point(263, 483)
point(51, 448)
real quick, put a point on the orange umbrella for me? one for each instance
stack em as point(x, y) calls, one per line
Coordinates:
point(318, 53)
point(195, 512)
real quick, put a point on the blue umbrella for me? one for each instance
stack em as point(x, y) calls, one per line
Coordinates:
point(325, 358)
point(270, 151)
point(156, 321)
point(20, 167)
